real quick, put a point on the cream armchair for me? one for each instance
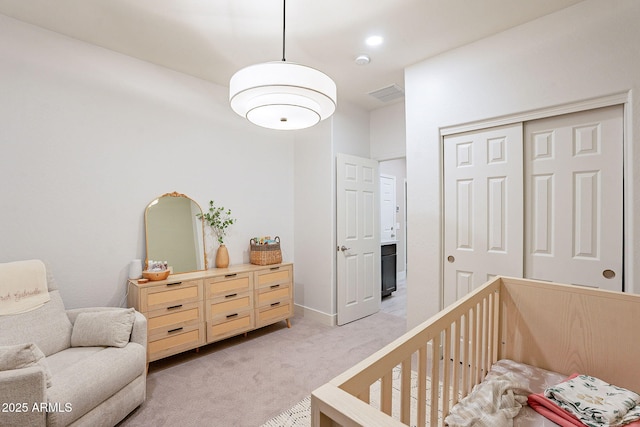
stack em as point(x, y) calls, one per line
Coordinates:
point(80, 367)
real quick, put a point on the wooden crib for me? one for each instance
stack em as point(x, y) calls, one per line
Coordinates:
point(557, 327)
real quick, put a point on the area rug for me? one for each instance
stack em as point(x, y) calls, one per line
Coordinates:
point(300, 414)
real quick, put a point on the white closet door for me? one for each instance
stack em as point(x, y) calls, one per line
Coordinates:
point(574, 198)
point(483, 202)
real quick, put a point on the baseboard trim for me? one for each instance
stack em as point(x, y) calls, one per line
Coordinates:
point(316, 315)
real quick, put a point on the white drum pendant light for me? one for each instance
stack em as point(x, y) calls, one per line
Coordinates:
point(282, 95)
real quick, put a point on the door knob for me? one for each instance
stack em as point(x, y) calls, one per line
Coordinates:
point(344, 248)
point(451, 258)
point(609, 274)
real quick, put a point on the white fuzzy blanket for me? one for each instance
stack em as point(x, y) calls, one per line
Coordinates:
point(23, 286)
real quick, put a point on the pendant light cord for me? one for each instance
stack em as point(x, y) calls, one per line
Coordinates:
point(284, 15)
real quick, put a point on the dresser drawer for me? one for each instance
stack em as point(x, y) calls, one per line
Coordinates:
point(229, 304)
point(274, 312)
point(273, 276)
point(174, 316)
point(175, 341)
point(230, 325)
point(267, 295)
point(229, 284)
point(170, 294)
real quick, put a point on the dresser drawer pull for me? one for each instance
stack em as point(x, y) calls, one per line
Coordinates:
point(274, 286)
point(274, 268)
point(232, 315)
point(173, 307)
point(231, 275)
point(174, 330)
point(174, 284)
point(230, 295)
point(275, 303)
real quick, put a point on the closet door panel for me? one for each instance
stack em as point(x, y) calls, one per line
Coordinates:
point(574, 198)
point(483, 234)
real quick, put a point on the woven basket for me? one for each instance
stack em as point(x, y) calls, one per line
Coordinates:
point(265, 254)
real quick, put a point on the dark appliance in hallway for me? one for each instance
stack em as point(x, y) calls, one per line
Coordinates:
point(388, 252)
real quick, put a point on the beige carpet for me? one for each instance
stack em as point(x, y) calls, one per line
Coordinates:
point(300, 414)
point(247, 381)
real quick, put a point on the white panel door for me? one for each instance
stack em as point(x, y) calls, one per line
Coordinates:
point(358, 238)
point(574, 198)
point(483, 202)
point(387, 208)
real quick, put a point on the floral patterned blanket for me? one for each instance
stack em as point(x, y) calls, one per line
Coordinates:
point(594, 402)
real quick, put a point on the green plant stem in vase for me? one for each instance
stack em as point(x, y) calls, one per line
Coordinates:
point(219, 219)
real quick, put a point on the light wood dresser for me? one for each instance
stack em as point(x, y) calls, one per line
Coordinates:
point(189, 310)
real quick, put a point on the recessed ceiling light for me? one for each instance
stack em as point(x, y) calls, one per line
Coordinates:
point(374, 40)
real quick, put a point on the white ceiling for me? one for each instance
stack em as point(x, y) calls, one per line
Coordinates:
point(211, 39)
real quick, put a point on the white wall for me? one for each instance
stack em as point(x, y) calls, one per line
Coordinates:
point(351, 131)
point(315, 206)
point(89, 137)
point(388, 132)
point(314, 275)
point(586, 51)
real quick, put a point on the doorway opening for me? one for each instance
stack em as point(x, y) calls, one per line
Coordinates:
point(395, 303)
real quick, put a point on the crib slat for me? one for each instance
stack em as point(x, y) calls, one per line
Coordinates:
point(455, 380)
point(435, 379)
point(489, 332)
point(472, 347)
point(496, 326)
point(446, 369)
point(477, 359)
point(385, 393)
point(405, 392)
point(422, 385)
point(465, 353)
point(482, 363)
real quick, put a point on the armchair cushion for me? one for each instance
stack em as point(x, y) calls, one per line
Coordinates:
point(25, 386)
point(106, 328)
point(23, 356)
point(91, 380)
point(48, 327)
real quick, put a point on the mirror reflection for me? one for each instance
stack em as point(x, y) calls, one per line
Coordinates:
point(174, 233)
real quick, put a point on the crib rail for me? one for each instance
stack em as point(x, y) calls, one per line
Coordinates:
point(436, 363)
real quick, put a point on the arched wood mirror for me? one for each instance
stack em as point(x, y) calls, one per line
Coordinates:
point(174, 233)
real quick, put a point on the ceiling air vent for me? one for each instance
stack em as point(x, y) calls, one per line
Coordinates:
point(388, 93)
